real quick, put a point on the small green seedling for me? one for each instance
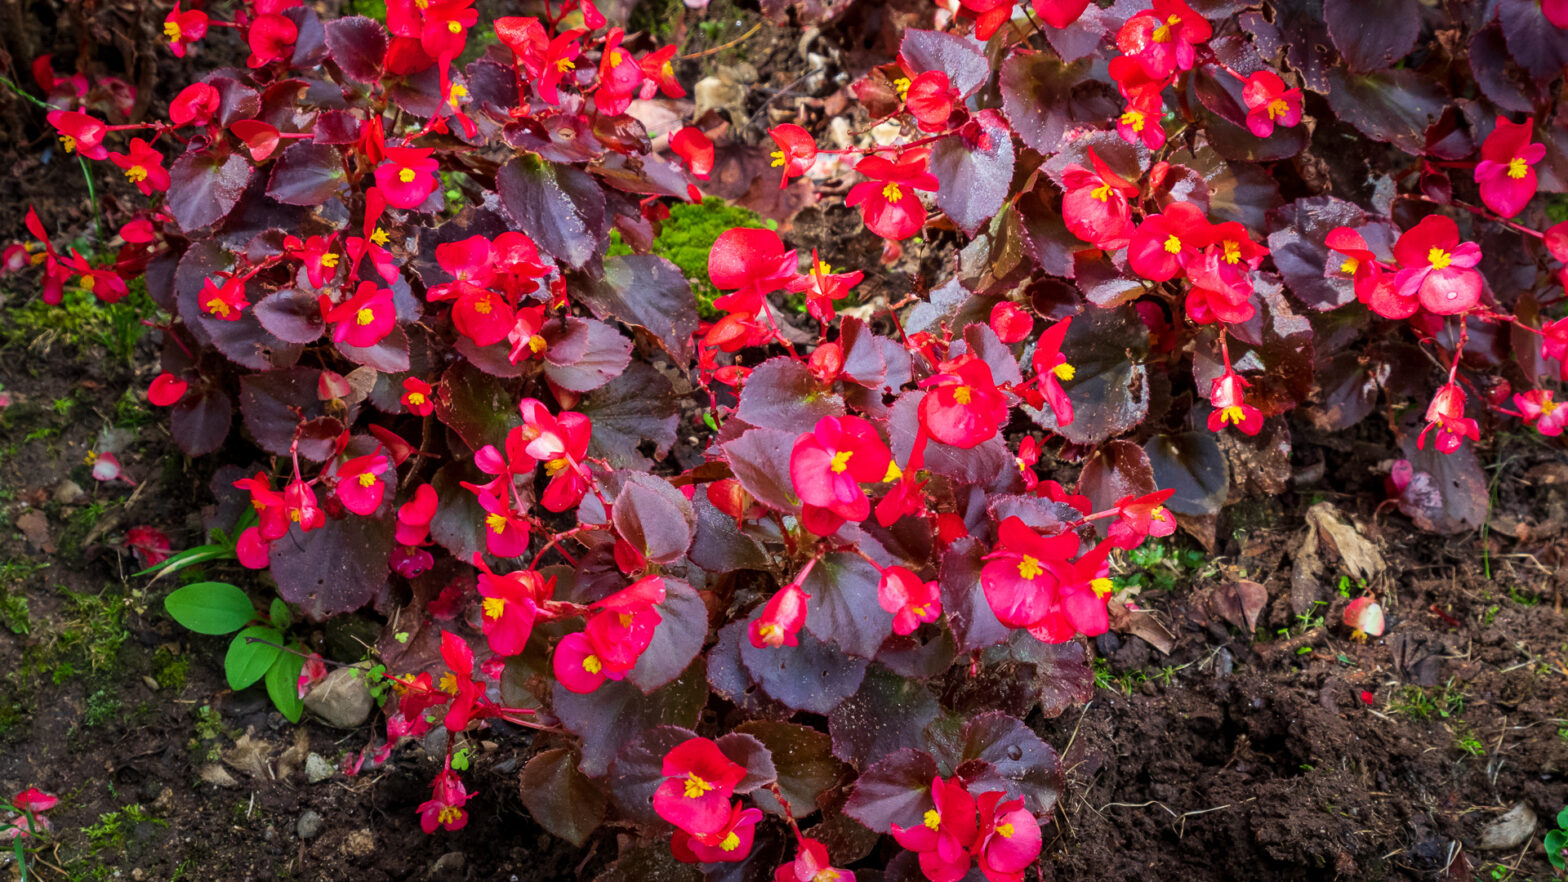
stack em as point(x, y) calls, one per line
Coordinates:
point(259, 649)
point(1557, 842)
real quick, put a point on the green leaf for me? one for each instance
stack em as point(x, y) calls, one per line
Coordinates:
point(283, 683)
point(189, 557)
point(210, 607)
point(248, 661)
point(280, 615)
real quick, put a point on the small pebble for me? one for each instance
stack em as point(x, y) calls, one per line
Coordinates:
point(317, 769)
point(309, 824)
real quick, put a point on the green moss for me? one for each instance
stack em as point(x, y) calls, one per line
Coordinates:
point(81, 321)
point(170, 670)
point(688, 235)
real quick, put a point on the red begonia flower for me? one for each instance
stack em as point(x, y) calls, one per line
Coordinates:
point(1060, 13)
point(1163, 39)
point(506, 533)
point(359, 486)
point(623, 624)
point(417, 396)
point(988, 15)
point(946, 833)
point(658, 71)
point(729, 844)
point(1506, 171)
point(1230, 405)
point(364, 319)
point(1052, 367)
point(1374, 286)
point(415, 515)
point(822, 286)
point(828, 464)
point(749, 263)
point(781, 619)
point(1009, 838)
point(510, 605)
point(1437, 268)
point(1163, 243)
point(80, 133)
point(797, 151)
point(32, 801)
point(620, 76)
point(317, 254)
point(692, 146)
point(183, 28)
point(699, 780)
point(576, 666)
point(445, 809)
point(166, 389)
point(271, 38)
point(1538, 406)
point(963, 407)
point(195, 105)
point(143, 166)
point(1139, 517)
point(931, 100)
point(1023, 573)
point(888, 204)
point(224, 302)
point(149, 544)
point(910, 600)
point(1269, 103)
point(1095, 206)
point(1446, 414)
point(1010, 322)
point(445, 30)
point(811, 864)
point(408, 176)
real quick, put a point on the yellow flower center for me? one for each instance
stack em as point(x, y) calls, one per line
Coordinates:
point(933, 819)
point(824, 269)
point(731, 842)
point(841, 461)
point(482, 306)
point(1548, 406)
point(1132, 119)
point(555, 467)
point(893, 472)
point(457, 94)
point(380, 236)
point(892, 192)
point(1172, 245)
point(1064, 371)
point(667, 71)
point(365, 316)
point(626, 620)
point(592, 665)
point(407, 175)
point(1232, 415)
point(1102, 192)
point(416, 398)
point(1162, 34)
point(1160, 514)
point(495, 522)
point(1102, 587)
point(68, 142)
point(171, 29)
point(778, 159)
point(902, 85)
point(1439, 259)
point(448, 683)
point(1004, 830)
point(1277, 108)
point(695, 786)
point(330, 260)
point(768, 632)
point(963, 394)
point(1232, 251)
point(564, 64)
point(366, 479)
point(88, 282)
point(1029, 568)
point(449, 814)
point(1517, 167)
point(136, 174)
point(1350, 266)
point(218, 307)
point(494, 607)
point(453, 27)
point(616, 57)
point(537, 344)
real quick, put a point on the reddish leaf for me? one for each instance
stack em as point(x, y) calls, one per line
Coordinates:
point(584, 354)
point(358, 45)
point(782, 394)
point(638, 770)
point(334, 569)
point(647, 292)
point(608, 718)
point(804, 761)
point(813, 676)
point(204, 187)
point(843, 608)
point(562, 799)
point(559, 207)
point(655, 518)
point(636, 407)
point(1192, 464)
point(307, 174)
point(1372, 34)
point(896, 790)
point(886, 714)
point(975, 169)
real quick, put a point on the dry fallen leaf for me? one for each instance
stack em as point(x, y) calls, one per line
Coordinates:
point(1240, 603)
point(35, 527)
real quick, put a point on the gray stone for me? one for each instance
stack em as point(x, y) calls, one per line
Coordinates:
point(317, 769)
point(1510, 830)
point(309, 824)
point(450, 867)
point(68, 492)
point(342, 699)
